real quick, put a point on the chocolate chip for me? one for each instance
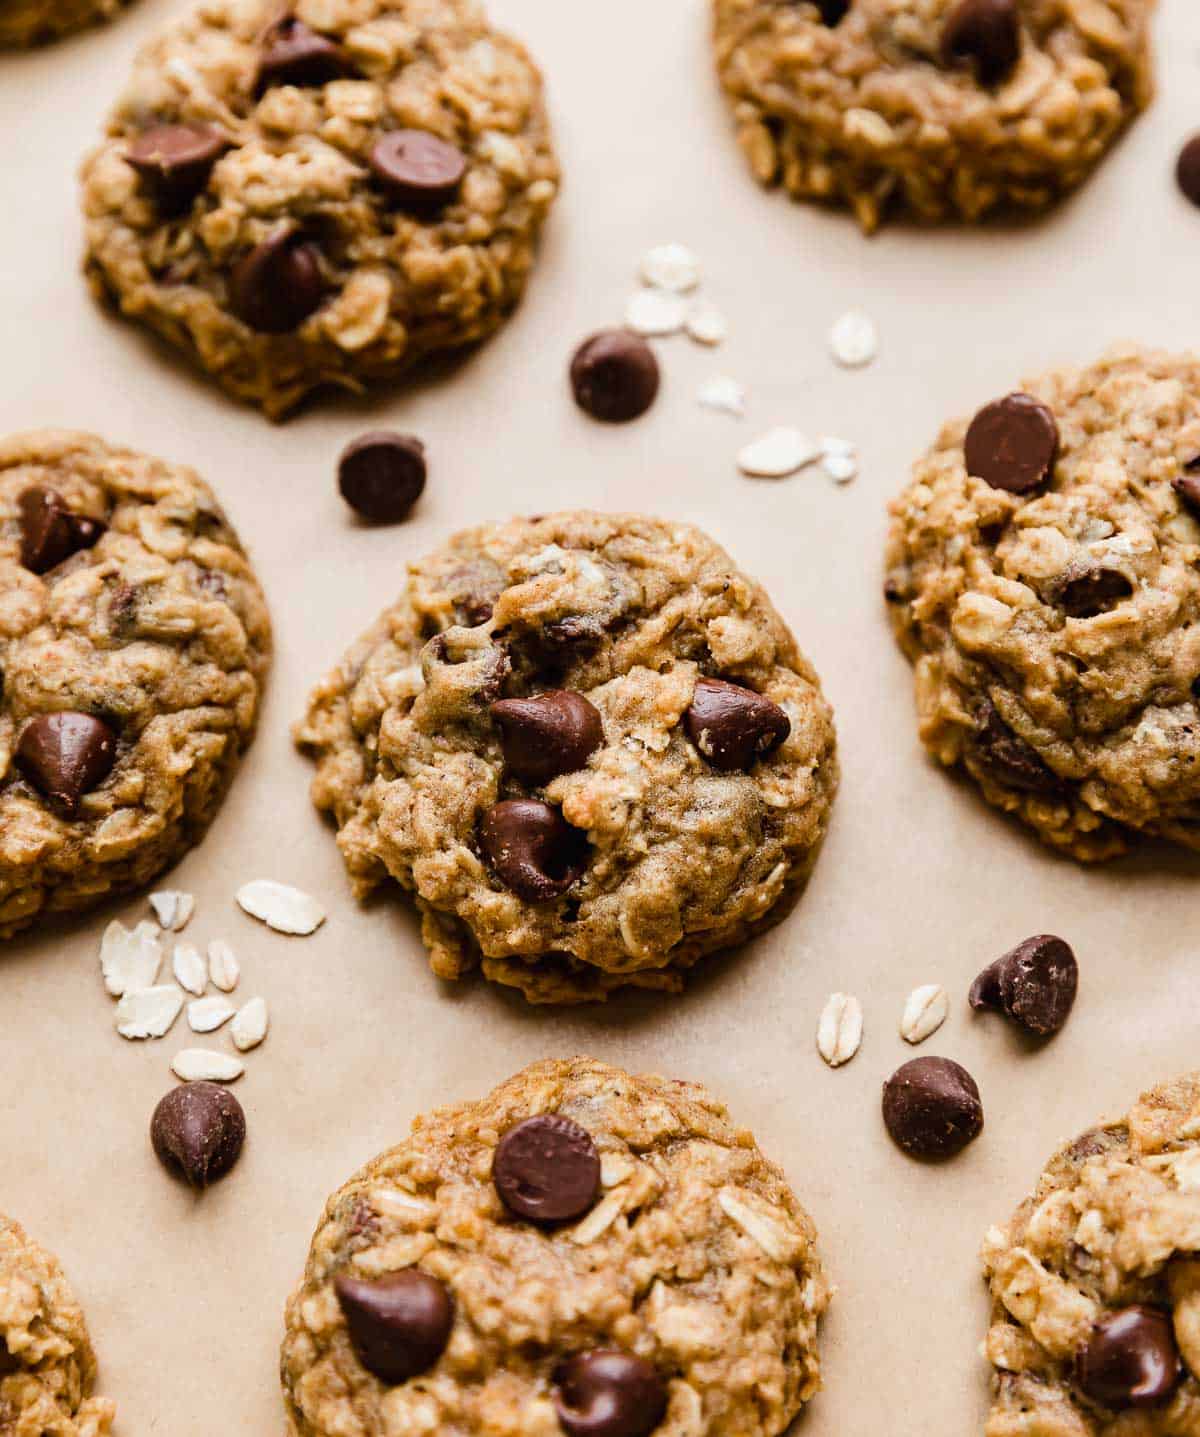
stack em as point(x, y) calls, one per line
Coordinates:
point(1092, 592)
point(1034, 984)
point(197, 1132)
point(1009, 759)
point(532, 849)
point(554, 732)
point(50, 532)
point(614, 376)
point(399, 1324)
point(65, 755)
point(1130, 1359)
point(1012, 444)
point(8, 1363)
point(175, 161)
point(931, 1108)
point(420, 171)
point(983, 33)
point(547, 1169)
point(292, 54)
point(278, 284)
point(381, 475)
point(732, 726)
point(1187, 170)
point(1187, 486)
point(606, 1393)
point(832, 11)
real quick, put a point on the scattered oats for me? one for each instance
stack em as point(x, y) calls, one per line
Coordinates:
point(705, 323)
point(250, 1025)
point(223, 966)
point(173, 908)
point(189, 968)
point(778, 453)
point(205, 1015)
point(280, 906)
point(655, 312)
point(841, 468)
point(150, 1012)
point(852, 340)
point(130, 959)
point(195, 1065)
point(671, 266)
point(839, 1032)
point(723, 394)
point(924, 1013)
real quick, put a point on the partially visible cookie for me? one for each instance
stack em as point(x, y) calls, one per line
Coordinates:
point(937, 109)
point(1043, 575)
point(35, 22)
point(321, 196)
point(580, 1245)
point(587, 743)
point(47, 1366)
point(134, 642)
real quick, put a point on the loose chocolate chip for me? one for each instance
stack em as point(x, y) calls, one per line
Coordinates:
point(1012, 443)
point(399, 1324)
point(175, 161)
point(606, 1393)
point(292, 54)
point(532, 849)
point(50, 532)
point(420, 171)
point(833, 11)
point(1187, 170)
point(1093, 592)
point(931, 1108)
point(278, 284)
point(197, 1132)
point(65, 755)
point(554, 732)
point(986, 34)
point(732, 726)
point(614, 376)
point(547, 1169)
point(1008, 758)
point(1034, 984)
point(1187, 486)
point(1130, 1359)
point(381, 475)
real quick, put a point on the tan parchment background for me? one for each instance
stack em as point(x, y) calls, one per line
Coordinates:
point(918, 883)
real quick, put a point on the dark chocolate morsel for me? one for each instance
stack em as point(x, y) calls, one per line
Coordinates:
point(608, 1393)
point(932, 1108)
point(532, 849)
point(985, 34)
point(399, 1324)
point(614, 376)
point(381, 475)
point(278, 284)
point(553, 732)
point(420, 171)
point(1034, 985)
point(197, 1132)
point(1130, 1359)
point(733, 727)
point(547, 1169)
point(1012, 444)
point(65, 755)
point(175, 161)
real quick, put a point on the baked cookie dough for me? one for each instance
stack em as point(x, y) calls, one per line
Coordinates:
point(134, 641)
point(34, 22)
point(323, 196)
point(936, 109)
point(1095, 1283)
point(47, 1366)
point(1055, 629)
point(587, 744)
point(581, 1252)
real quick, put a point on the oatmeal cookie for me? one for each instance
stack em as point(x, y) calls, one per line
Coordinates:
point(134, 642)
point(320, 197)
point(1095, 1283)
point(581, 1252)
point(47, 1366)
point(936, 109)
point(587, 744)
point(1043, 575)
point(35, 22)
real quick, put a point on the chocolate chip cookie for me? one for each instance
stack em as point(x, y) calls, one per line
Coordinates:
point(937, 109)
point(582, 1252)
point(47, 1366)
point(587, 744)
point(1095, 1282)
point(1043, 575)
point(134, 642)
point(321, 196)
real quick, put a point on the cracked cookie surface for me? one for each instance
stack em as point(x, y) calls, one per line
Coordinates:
point(273, 240)
point(1055, 633)
point(694, 1258)
point(134, 641)
point(939, 109)
point(674, 844)
point(36, 22)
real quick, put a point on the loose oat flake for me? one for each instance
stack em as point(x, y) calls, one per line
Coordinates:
point(280, 906)
point(199, 1065)
point(839, 1033)
point(839, 459)
point(706, 324)
point(205, 1015)
point(725, 395)
point(250, 1025)
point(778, 453)
point(671, 266)
point(190, 969)
point(223, 966)
point(130, 958)
point(150, 1012)
point(852, 339)
point(172, 908)
point(653, 312)
point(924, 1013)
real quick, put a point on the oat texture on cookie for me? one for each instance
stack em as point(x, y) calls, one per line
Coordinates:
point(35, 22)
point(134, 642)
point(47, 1366)
point(937, 110)
point(682, 1294)
point(1095, 1284)
point(320, 196)
point(587, 744)
point(1052, 608)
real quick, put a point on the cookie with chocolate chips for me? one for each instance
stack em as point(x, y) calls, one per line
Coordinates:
point(134, 642)
point(1043, 575)
point(320, 196)
point(588, 746)
point(582, 1252)
point(37, 22)
point(938, 110)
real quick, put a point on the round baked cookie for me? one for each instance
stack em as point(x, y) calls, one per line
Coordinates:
point(35, 22)
point(1095, 1282)
point(936, 109)
point(320, 197)
point(580, 1248)
point(134, 641)
point(587, 744)
point(47, 1366)
point(1055, 630)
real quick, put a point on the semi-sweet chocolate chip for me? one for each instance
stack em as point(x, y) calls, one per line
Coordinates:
point(985, 34)
point(399, 1324)
point(1187, 169)
point(547, 1169)
point(50, 532)
point(1012, 444)
point(833, 12)
point(532, 849)
point(1034, 985)
point(733, 727)
point(381, 475)
point(420, 171)
point(290, 53)
point(278, 284)
point(65, 755)
point(1010, 759)
point(932, 1108)
point(1130, 1359)
point(608, 1393)
point(197, 1132)
point(553, 732)
point(175, 161)
point(614, 376)
point(1091, 592)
